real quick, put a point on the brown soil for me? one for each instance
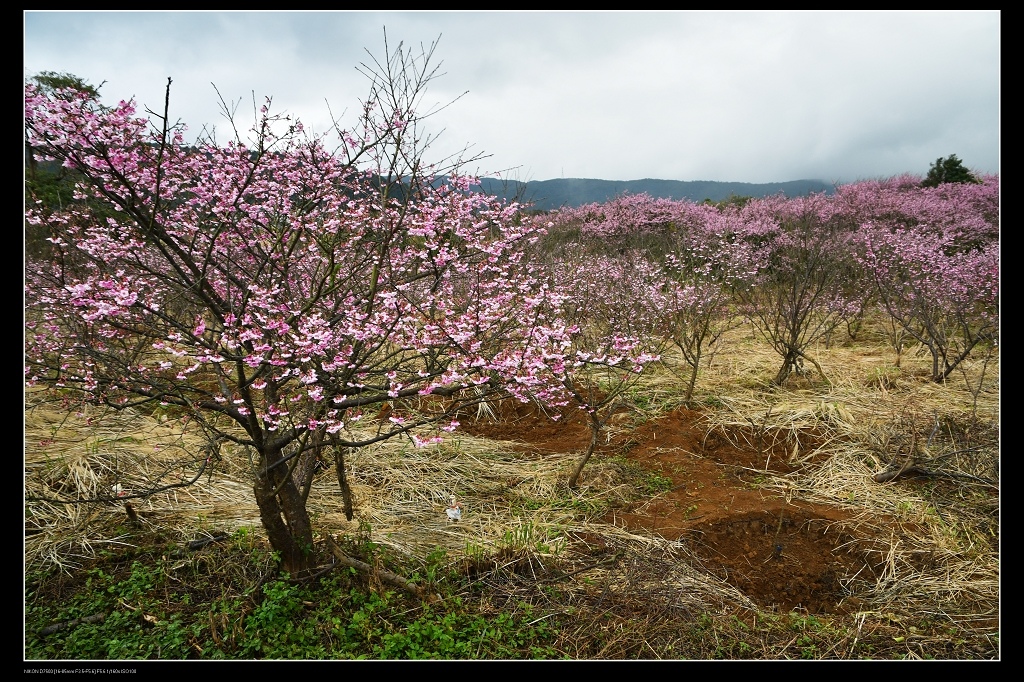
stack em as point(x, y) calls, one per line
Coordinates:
point(781, 554)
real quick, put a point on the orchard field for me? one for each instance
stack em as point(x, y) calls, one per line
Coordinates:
point(297, 396)
point(747, 525)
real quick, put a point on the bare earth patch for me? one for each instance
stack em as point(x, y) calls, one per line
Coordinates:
point(783, 554)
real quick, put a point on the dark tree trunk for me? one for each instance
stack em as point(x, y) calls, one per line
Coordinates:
point(283, 512)
point(346, 492)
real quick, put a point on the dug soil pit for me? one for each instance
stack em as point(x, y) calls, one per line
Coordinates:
point(781, 553)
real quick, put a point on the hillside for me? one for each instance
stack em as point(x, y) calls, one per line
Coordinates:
point(546, 195)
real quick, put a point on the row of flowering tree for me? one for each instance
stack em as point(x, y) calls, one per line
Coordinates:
point(799, 268)
point(275, 288)
point(931, 257)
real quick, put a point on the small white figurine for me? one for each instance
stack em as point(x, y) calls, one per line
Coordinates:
point(454, 510)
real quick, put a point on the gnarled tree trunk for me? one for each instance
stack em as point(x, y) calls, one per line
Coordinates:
point(283, 512)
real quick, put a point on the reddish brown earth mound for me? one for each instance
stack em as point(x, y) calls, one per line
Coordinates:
point(781, 554)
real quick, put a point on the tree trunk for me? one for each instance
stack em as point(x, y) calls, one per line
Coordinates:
point(693, 378)
point(936, 377)
point(787, 366)
point(339, 467)
point(283, 512)
point(595, 428)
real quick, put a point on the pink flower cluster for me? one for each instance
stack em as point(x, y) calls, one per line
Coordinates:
point(274, 281)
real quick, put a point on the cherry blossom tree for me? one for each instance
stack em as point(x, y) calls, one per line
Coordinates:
point(627, 222)
point(947, 301)
point(966, 215)
point(707, 265)
point(687, 256)
point(802, 292)
point(612, 306)
point(275, 288)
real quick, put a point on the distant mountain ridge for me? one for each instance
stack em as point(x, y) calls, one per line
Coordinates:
point(546, 195)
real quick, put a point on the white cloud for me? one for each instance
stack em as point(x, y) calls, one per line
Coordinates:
point(732, 96)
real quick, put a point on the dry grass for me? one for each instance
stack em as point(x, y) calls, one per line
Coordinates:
point(93, 452)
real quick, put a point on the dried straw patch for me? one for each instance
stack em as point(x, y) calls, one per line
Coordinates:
point(932, 553)
point(508, 499)
point(743, 369)
point(518, 511)
point(852, 404)
point(94, 452)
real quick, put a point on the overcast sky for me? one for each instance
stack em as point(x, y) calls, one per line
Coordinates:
point(729, 96)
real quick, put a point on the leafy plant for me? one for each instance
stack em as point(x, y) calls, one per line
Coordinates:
point(657, 483)
point(948, 169)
